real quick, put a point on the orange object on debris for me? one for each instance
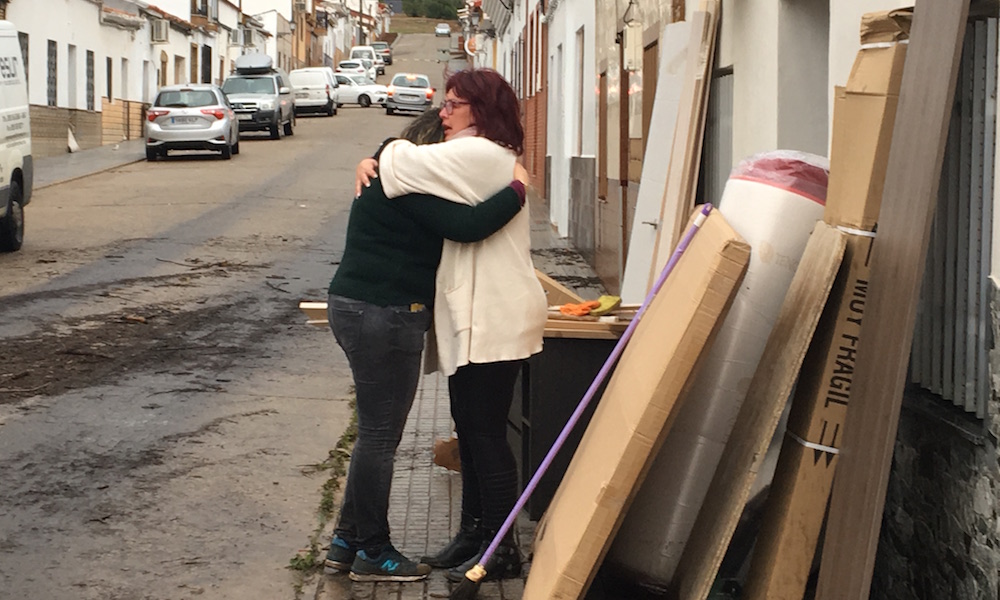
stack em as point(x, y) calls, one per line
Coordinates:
point(579, 310)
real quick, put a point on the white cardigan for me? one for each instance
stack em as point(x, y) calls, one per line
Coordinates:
point(488, 305)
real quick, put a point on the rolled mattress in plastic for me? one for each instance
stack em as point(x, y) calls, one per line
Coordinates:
point(773, 200)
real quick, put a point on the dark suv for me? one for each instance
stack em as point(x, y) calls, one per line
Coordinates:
point(384, 50)
point(261, 96)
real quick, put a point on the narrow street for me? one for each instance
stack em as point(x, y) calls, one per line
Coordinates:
point(162, 400)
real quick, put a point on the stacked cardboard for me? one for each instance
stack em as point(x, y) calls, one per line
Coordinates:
point(864, 114)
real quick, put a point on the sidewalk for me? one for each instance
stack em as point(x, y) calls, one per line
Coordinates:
point(425, 500)
point(51, 170)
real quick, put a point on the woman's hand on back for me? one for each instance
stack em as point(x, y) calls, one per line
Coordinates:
point(521, 174)
point(364, 174)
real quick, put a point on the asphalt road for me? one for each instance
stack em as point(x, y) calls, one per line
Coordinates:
point(161, 397)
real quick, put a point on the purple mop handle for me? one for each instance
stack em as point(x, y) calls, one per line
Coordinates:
point(601, 375)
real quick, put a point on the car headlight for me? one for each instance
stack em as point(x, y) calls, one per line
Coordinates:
point(267, 104)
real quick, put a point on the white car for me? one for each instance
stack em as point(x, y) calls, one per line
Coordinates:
point(315, 90)
point(195, 116)
point(358, 89)
point(442, 29)
point(352, 67)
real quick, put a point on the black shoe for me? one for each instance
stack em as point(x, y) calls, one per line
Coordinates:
point(465, 545)
point(389, 565)
point(341, 554)
point(505, 563)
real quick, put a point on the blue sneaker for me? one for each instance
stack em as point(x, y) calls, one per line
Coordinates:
point(341, 555)
point(389, 565)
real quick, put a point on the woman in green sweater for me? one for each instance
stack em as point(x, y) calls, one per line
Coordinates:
point(379, 308)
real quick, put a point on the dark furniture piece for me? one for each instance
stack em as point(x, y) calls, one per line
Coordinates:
point(550, 387)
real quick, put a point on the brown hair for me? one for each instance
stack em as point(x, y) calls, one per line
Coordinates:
point(495, 109)
point(425, 129)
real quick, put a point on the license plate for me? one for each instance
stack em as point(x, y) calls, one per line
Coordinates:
point(409, 98)
point(244, 117)
point(301, 96)
point(183, 120)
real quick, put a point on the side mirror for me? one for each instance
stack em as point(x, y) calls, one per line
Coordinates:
point(284, 90)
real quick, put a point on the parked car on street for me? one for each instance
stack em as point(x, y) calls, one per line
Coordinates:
point(358, 89)
point(261, 96)
point(442, 29)
point(315, 90)
point(409, 91)
point(191, 117)
point(16, 163)
point(384, 50)
point(379, 65)
point(352, 67)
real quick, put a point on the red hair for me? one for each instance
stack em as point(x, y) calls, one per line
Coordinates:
point(495, 109)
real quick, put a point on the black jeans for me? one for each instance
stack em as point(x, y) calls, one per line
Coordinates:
point(481, 395)
point(383, 346)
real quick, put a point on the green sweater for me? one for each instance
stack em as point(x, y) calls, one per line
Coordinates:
point(393, 247)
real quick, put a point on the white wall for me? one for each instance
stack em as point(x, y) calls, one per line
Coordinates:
point(778, 52)
point(564, 135)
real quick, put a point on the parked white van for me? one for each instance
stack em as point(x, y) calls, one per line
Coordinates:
point(16, 167)
point(369, 52)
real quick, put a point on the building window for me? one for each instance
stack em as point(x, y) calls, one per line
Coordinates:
point(108, 66)
point(90, 80)
point(53, 73)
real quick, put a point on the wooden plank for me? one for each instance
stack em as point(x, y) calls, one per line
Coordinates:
point(636, 410)
point(581, 334)
point(908, 203)
point(685, 154)
point(556, 294)
point(760, 412)
point(673, 47)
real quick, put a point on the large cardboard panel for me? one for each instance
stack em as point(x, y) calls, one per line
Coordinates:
point(635, 412)
point(759, 414)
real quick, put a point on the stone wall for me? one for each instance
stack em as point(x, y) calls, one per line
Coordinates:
point(940, 532)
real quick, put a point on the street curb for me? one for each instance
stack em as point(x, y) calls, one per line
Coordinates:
point(101, 170)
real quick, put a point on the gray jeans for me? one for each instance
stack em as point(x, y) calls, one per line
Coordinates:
point(383, 346)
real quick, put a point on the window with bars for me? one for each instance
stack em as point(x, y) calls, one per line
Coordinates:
point(953, 333)
point(53, 74)
point(90, 80)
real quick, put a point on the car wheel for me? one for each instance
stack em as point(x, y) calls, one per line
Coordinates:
point(388, 110)
point(290, 126)
point(12, 225)
point(152, 154)
point(364, 101)
point(236, 146)
point(330, 110)
point(227, 152)
point(276, 131)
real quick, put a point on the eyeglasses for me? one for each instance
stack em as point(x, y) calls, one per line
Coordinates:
point(449, 105)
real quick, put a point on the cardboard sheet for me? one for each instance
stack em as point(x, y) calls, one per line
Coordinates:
point(636, 410)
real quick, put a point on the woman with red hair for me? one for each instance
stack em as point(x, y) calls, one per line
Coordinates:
point(489, 310)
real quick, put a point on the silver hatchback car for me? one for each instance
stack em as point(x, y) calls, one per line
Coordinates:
point(191, 117)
